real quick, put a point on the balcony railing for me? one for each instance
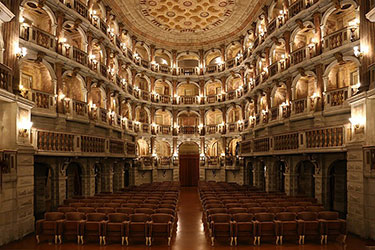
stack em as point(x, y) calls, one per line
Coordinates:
point(337, 97)
point(188, 99)
point(79, 56)
point(286, 142)
point(164, 129)
point(165, 99)
point(211, 98)
point(189, 71)
point(341, 37)
point(38, 36)
point(323, 138)
point(211, 129)
point(80, 8)
point(274, 113)
point(300, 105)
point(42, 99)
point(52, 141)
point(272, 26)
point(189, 130)
point(79, 108)
point(296, 8)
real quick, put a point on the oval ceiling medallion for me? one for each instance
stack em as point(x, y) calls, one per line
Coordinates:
point(223, 4)
point(188, 3)
point(204, 14)
point(152, 3)
point(171, 14)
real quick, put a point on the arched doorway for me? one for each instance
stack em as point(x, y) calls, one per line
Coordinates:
point(249, 174)
point(189, 164)
point(127, 175)
point(338, 187)
point(280, 171)
point(306, 181)
point(43, 189)
point(73, 180)
point(98, 177)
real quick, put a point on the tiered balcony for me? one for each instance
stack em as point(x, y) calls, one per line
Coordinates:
point(37, 36)
point(164, 129)
point(300, 5)
point(188, 100)
point(212, 129)
point(78, 109)
point(337, 97)
point(43, 101)
point(300, 106)
point(5, 77)
point(188, 130)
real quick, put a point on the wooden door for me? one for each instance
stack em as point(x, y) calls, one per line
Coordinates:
point(189, 170)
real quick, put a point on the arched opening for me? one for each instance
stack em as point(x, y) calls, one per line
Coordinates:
point(126, 110)
point(188, 64)
point(249, 176)
point(73, 180)
point(36, 84)
point(304, 90)
point(187, 93)
point(97, 98)
point(234, 147)
point(127, 175)
point(306, 180)
point(163, 120)
point(338, 187)
point(188, 122)
point(304, 44)
point(280, 176)
point(38, 18)
point(163, 59)
point(162, 88)
point(279, 103)
point(73, 38)
point(98, 178)
point(233, 51)
point(340, 21)
point(213, 91)
point(74, 88)
point(277, 59)
point(189, 164)
point(214, 118)
point(142, 148)
point(43, 189)
point(141, 52)
point(343, 82)
point(234, 119)
point(142, 115)
point(233, 84)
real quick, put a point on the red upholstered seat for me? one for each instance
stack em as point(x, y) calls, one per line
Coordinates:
point(265, 226)
point(92, 229)
point(50, 227)
point(243, 226)
point(114, 228)
point(161, 225)
point(331, 225)
point(220, 226)
point(137, 227)
point(72, 226)
point(286, 226)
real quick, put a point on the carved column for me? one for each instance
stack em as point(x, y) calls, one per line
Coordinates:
point(59, 88)
point(320, 87)
point(318, 32)
point(59, 30)
point(287, 47)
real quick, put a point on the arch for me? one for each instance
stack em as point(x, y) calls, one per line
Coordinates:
point(163, 87)
point(211, 55)
point(72, 26)
point(189, 163)
point(214, 117)
point(308, 25)
point(186, 118)
point(233, 147)
point(232, 50)
point(275, 6)
point(98, 49)
point(280, 167)
point(332, 9)
point(166, 55)
point(143, 148)
point(163, 117)
point(213, 87)
point(277, 52)
point(43, 186)
point(142, 114)
point(233, 82)
point(338, 75)
point(214, 148)
point(98, 5)
point(37, 75)
point(47, 9)
point(142, 50)
point(278, 95)
point(162, 148)
point(337, 173)
point(97, 97)
point(126, 110)
point(306, 179)
point(188, 89)
point(78, 93)
point(234, 114)
point(295, 82)
point(250, 108)
point(74, 173)
point(188, 60)
point(142, 82)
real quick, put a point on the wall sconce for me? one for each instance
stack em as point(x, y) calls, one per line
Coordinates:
point(136, 56)
point(315, 96)
point(21, 52)
point(111, 32)
point(24, 128)
point(93, 59)
point(355, 88)
point(358, 123)
point(357, 52)
point(264, 112)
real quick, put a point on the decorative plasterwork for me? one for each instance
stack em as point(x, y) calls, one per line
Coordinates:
point(186, 24)
point(371, 15)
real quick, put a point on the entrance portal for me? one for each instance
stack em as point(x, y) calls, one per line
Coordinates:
point(189, 164)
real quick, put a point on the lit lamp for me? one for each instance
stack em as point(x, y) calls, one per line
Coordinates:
point(21, 52)
point(358, 124)
point(202, 158)
point(357, 52)
point(24, 127)
point(355, 88)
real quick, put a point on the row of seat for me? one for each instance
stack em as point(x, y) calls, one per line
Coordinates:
point(99, 227)
point(227, 212)
point(277, 226)
point(146, 211)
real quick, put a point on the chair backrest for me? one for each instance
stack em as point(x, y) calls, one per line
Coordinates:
point(314, 208)
point(243, 217)
point(144, 210)
point(251, 204)
point(161, 218)
point(275, 210)
point(220, 218)
point(263, 217)
point(86, 210)
point(286, 216)
point(105, 210)
point(328, 215)
point(255, 210)
point(66, 209)
point(295, 209)
point(217, 211)
point(77, 204)
point(236, 210)
point(165, 211)
point(96, 216)
point(139, 217)
point(118, 217)
point(75, 216)
point(125, 210)
point(307, 216)
point(114, 205)
point(53, 216)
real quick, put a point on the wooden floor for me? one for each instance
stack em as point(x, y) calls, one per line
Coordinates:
point(190, 235)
